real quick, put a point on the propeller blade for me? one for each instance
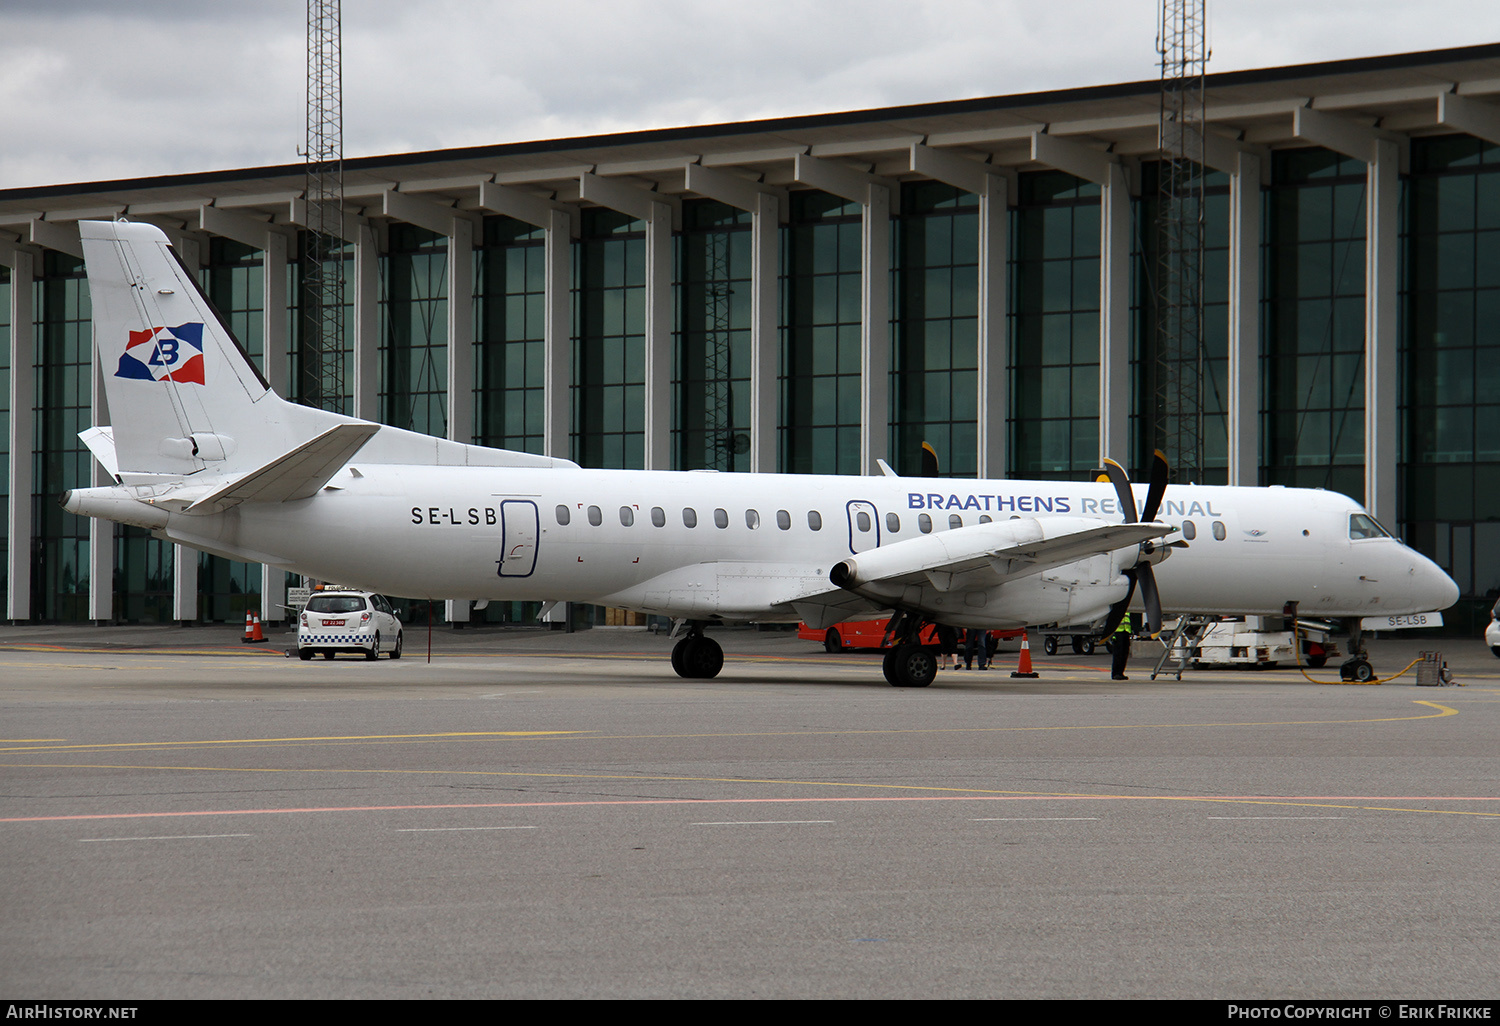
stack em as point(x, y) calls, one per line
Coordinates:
point(929, 461)
point(1160, 471)
point(1121, 481)
point(1118, 610)
point(1152, 598)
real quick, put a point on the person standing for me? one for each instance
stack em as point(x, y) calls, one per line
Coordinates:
point(976, 643)
point(947, 639)
point(1120, 647)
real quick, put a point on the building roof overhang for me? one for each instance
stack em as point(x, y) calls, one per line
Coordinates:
point(1399, 95)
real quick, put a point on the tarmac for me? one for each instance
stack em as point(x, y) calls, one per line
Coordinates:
point(536, 814)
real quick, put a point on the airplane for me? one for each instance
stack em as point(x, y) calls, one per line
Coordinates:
point(204, 453)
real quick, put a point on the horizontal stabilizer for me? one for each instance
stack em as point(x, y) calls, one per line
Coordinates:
point(296, 475)
point(101, 442)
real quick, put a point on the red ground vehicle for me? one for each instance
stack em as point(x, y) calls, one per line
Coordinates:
point(870, 634)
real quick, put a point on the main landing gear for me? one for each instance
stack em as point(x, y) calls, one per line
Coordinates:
point(696, 656)
point(910, 664)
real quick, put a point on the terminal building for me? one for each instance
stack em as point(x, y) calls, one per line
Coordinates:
point(811, 294)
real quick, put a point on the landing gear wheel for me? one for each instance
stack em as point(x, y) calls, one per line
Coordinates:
point(1357, 669)
point(396, 652)
point(911, 666)
point(697, 658)
point(305, 654)
point(832, 642)
point(373, 653)
point(1049, 644)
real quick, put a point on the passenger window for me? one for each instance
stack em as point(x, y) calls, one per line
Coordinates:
point(1189, 530)
point(689, 517)
point(752, 519)
point(924, 523)
point(815, 520)
point(862, 521)
point(596, 515)
point(563, 516)
point(1219, 532)
point(627, 516)
point(721, 518)
point(955, 521)
point(783, 520)
point(893, 523)
point(658, 517)
point(984, 518)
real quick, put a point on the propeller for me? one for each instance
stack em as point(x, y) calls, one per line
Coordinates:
point(1141, 573)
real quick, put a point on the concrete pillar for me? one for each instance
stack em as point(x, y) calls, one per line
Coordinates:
point(365, 397)
point(1243, 415)
point(659, 338)
point(557, 344)
point(1382, 214)
point(460, 353)
point(993, 329)
point(1114, 316)
point(22, 437)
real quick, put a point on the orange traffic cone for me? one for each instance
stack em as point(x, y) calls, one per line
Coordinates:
point(1025, 668)
point(249, 635)
point(255, 634)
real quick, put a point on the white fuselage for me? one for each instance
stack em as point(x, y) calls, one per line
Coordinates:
point(498, 533)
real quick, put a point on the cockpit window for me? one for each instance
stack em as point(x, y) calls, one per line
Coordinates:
point(1362, 525)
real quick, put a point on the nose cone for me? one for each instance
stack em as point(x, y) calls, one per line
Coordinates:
point(1435, 588)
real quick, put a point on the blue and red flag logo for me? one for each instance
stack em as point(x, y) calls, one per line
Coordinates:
point(164, 354)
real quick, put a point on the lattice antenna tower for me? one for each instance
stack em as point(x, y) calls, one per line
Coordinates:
point(1182, 42)
point(323, 257)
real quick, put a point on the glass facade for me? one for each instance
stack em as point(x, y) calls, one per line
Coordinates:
point(235, 283)
point(1450, 358)
point(316, 378)
point(509, 335)
point(1313, 322)
point(63, 407)
point(935, 377)
point(1054, 327)
point(609, 347)
point(414, 331)
point(1154, 419)
point(1312, 351)
point(820, 336)
point(711, 372)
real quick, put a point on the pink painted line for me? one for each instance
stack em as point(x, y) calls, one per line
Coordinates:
point(763, 801)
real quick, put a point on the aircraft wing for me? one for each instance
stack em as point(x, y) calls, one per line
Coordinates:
point(975, 558)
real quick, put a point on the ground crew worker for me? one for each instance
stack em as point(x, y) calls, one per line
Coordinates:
point(1121, 646)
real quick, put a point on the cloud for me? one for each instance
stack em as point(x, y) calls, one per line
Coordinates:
point(103, 90)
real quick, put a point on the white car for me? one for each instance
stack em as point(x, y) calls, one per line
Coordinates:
point(1492, 632)
point(348, 621)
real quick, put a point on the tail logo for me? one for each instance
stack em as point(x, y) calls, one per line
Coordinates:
point(164, 354)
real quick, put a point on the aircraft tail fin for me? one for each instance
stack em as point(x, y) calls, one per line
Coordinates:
point(183, 395)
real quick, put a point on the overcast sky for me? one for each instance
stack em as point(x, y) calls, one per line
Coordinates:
point(103, 89)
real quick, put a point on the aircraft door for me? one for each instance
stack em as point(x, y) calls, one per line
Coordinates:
point(520, 527)
point(864, 526)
